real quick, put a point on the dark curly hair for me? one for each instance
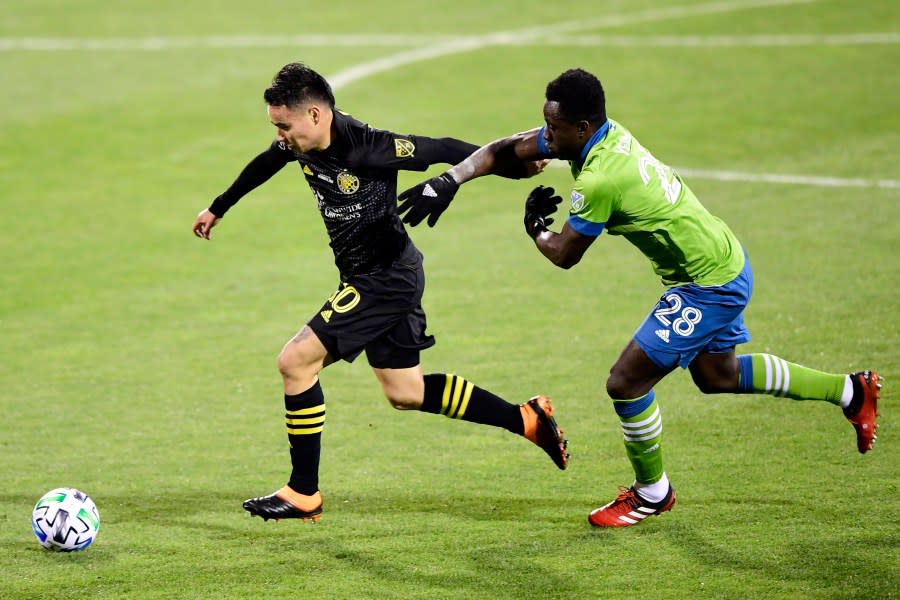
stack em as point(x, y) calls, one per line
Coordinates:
point(296, 84)
point(579, 95)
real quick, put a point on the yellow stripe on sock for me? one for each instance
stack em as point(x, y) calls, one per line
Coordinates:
point(307, 421)
point(457, 393)
point(465, 401)
point(445, 400)
point(306, 431)
point(308, 411)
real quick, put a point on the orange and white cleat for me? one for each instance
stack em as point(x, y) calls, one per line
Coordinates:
point(863, 409)
point(629, 509)
point(541, 428)
point(286, 504)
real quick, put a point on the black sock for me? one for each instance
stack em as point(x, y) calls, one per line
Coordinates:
point(454, 397)
point(305, 418)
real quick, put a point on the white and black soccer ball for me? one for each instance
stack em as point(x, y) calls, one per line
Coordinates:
point(65, 519)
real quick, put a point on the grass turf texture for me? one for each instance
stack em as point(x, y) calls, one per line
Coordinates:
point(138, 363)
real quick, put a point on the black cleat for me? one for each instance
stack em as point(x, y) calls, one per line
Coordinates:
point(277, 506)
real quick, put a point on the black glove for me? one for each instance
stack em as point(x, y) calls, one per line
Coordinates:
point(428, 199)
point(541, 203)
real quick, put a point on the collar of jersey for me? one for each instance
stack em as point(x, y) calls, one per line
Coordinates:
point(595, 139)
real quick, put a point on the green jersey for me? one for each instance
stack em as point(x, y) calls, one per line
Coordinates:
point(622, 188)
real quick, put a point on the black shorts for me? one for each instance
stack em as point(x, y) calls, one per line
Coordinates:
point(380, 313)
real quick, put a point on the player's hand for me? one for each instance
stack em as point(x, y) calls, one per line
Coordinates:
point(428, 199)
point(541, 203)
point(204, 223)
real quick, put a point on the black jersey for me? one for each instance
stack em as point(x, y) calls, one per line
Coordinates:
point(354, 182)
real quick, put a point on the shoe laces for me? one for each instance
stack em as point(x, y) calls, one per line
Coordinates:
point(628, 496)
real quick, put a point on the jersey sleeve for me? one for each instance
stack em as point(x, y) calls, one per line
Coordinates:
point(593, 202)
point(387, 150)
point(542, 147)
point(258, 171)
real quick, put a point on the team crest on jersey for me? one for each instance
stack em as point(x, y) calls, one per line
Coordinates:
point(307, 170)
point(577, 201)
point(347, 182)
point(404, 148)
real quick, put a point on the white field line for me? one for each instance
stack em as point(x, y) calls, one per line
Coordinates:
point(447, 46)
point(157, 44)
point(468, 44)
point(706, 41)
point(438, 46)
point(808, 180)
point(450, 44)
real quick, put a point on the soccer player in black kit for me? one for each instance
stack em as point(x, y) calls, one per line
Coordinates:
point(351, 169)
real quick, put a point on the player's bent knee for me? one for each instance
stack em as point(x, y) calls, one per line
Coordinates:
point(292, 364)
point(714, 383)
point(617, 388)
point(402, 403)
point(714, 387)
point(402, 397)
point(286, 363)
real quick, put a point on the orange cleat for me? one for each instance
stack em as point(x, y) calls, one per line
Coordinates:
point(286, 504)
point(541, 428)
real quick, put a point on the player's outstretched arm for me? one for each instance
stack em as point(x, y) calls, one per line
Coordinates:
point(258, 171)
point(515, 156)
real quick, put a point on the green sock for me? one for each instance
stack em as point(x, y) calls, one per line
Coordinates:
point(767, 374)
point(642, 426)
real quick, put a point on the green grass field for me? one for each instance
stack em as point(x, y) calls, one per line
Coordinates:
point(137, 363)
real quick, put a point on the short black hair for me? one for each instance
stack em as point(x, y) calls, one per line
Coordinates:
point(296, 84)
point(579, 95)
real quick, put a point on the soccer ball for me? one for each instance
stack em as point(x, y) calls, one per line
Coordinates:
point(65, 519)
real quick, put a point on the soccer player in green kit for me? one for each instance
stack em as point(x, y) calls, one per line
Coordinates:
point(697, 322)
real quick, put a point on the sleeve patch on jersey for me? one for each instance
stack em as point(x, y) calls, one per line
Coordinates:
point(577, 201)
point(543, 149)
point(585, 227)
point(405, 148)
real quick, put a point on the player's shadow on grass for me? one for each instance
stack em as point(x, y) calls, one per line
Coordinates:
point(464, 507)
point(395, 522)
point(810, 561)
